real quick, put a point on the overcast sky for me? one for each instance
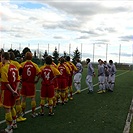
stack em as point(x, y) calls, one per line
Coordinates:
point(100, 28)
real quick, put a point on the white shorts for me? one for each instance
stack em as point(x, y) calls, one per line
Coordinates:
point(89, 78)
point(101, 79)
point(77, 77)
point(112, 78)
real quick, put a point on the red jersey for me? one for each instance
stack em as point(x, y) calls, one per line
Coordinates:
point(9, 75)
point(64, 70)
point(30, 71)
point(48, 73)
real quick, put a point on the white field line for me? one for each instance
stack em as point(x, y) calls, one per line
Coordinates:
point(73, 94)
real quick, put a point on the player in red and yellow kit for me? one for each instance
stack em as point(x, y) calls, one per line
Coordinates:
point(9, 86)
point(29, 74)
point(0, 77)
point(48, 74)
point(55, 87)
point(18, 100)
point(68, 78)
point(73, 69)
point(62, 80)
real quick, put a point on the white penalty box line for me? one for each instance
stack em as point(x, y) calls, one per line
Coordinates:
point(3, 121)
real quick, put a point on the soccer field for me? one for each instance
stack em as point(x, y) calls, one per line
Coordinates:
point(86, 113)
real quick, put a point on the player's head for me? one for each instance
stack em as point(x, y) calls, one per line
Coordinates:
point(12, 56)
point(28, 56)
point(67, 58)
point(105, 62)
point(110, 62)
point(48, 60)
point(100, 61)
point(62, 60)
point(78, 60)
point(88, 60)
point(5, 56)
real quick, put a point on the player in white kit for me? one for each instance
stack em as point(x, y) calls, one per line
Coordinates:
point(106, 69)
point(101, 77)
point(78, 76)
point(90, 74)
point(112, 72)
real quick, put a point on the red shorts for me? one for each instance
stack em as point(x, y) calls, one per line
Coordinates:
point(62, 84)
point(18, 97)
point(55, 83)
point(47, 91)
point(70, 81)
point(28, 89)
point(7, 98)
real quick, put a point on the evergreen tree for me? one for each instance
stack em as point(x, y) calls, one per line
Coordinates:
point(35, 56)
point(24, 51)
point(55, 56)
point(44, 56)
point(76, 55)
point(16, 53)
point(65, 54)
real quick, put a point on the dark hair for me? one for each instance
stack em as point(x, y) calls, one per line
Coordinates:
point(110, 61)
point(99, 60)
point(78, 60)
point(28, 56)
point(48, 60)
point(12, 56)
point(67, 58)
point(6, 55)
point(62, 60)
point(88, 60)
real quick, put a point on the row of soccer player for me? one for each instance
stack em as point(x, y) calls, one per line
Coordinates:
point(56, 82)
point(106, 76)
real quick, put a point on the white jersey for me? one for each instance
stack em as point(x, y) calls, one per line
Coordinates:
point(79, 67)
point(90, 69)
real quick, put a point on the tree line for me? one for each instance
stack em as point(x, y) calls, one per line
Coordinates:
point(19, 56)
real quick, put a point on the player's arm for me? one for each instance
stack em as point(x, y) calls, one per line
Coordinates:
point(38, 73)
point(10, 88)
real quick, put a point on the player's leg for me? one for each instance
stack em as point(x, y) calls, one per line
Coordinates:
point(23, 105)
point(112, 83)
point(79, 82)
point(76, 82)
point(51, 94)
point(100, 85)
point(42, 103)
point(9, 120)
point(50, 104)
point(14, 117)
point(89, 83)
point(33, 106)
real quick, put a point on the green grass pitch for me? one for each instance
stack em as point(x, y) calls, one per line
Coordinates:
point(86, 113)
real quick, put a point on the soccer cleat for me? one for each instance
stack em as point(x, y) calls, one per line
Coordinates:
point(78, 91)
point(41, 113)
point(104, 91)
point(8, 130)
point(71, 98)
point(100, 92)
point(66, 100)
point(14, 126)
point(20, 118)
point(33, 115)
point(46, 106)
point(90, 92)
point(110, 90)
point(23, 114)
point(51, 114)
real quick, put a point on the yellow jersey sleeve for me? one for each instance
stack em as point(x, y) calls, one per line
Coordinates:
point(55, 71)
